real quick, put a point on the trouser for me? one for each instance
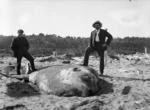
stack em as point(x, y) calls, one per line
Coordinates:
point(100, 52)
point(28, 57)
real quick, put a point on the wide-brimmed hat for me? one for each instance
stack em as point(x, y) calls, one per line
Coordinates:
point(97, 22)
point(20, 31)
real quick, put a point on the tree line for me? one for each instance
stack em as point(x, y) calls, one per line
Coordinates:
point(43, 45)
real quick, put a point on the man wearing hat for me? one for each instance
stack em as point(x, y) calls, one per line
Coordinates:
point(98, 43)
point(20, 47)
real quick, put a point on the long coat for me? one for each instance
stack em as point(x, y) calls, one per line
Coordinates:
point(19, 45)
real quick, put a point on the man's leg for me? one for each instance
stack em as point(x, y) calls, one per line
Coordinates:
point(30, 59)
point(19, 57)
point(101, 66)
point(86, 56)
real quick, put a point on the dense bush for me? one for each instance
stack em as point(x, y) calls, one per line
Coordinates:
point(130, 45)
point(41, 45)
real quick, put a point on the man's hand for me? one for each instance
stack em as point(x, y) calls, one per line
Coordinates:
point(14, 54)
point(104, 45)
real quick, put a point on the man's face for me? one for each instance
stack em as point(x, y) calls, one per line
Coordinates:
point(20, 34)
point(97, 26)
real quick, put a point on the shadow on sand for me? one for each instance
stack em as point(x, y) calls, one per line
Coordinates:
point(15, 107)
point(105, 87)
point(19, 89)
point(126, 78)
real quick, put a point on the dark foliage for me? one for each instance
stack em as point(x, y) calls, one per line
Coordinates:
point(43, 45)
point(130, 45)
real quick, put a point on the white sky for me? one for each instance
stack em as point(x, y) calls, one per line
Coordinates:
point(75, 17)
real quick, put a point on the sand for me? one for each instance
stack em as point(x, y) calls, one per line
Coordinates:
point(126, 86)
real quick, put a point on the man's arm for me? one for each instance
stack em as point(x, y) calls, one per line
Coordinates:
point(110, 38)
point(14, 45)
point(91, 40)
point(26, 43)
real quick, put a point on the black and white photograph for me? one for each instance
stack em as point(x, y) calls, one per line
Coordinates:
point(74, 54)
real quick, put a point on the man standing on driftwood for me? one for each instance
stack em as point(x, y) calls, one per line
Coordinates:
point(20, 46)
point(98, 43)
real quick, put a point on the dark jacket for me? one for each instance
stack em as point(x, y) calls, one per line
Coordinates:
point(102, 37)
point(20, 45)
